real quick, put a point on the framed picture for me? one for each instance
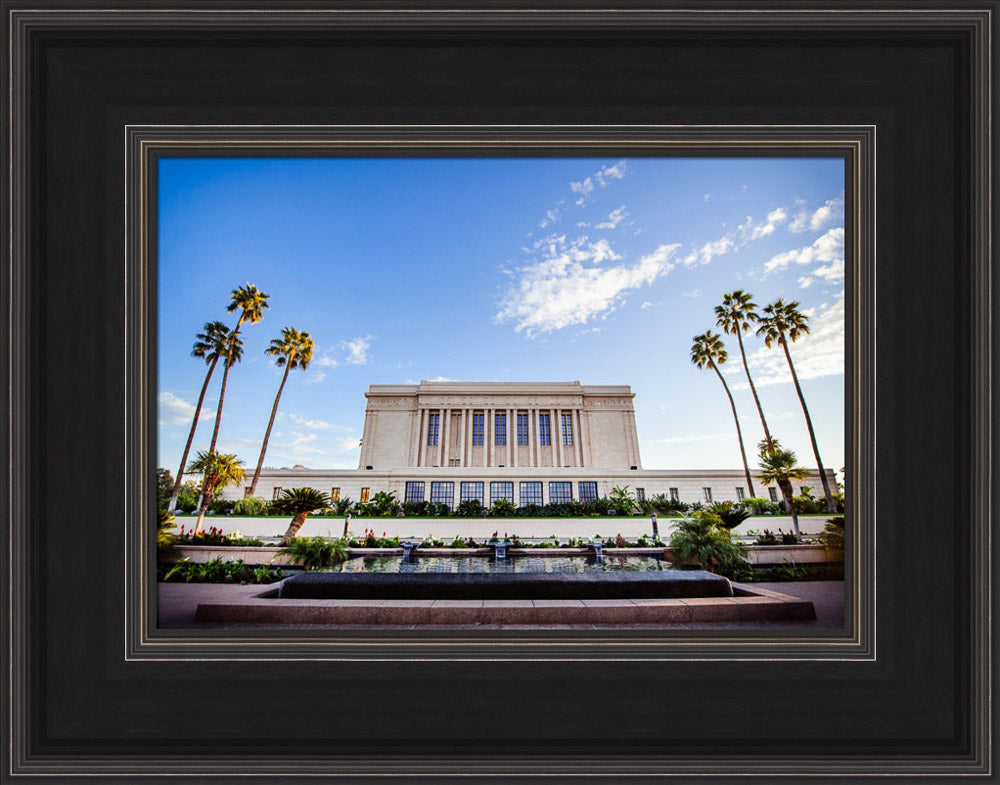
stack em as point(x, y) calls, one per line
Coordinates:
point(99, 98)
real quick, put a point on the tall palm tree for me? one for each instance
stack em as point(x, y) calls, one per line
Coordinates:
point(783, 322)
point(251, 302)
point(210, 346)
point(708, 352)
point(778, 466)
point(293, 350)
point(218, 471)
point(737, 312)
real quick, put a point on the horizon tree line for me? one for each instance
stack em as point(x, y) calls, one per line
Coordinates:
point(777, 324)
point(218, 342)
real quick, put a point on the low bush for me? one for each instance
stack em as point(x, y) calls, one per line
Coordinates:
point(215, 536)
point(730, 515)
point(218, 571)
point(702, 537)
point(832, 535)
point(315, 553)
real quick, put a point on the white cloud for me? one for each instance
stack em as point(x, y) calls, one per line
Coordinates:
point(570, 286)
point(317, 425)
point(691, 294)
point(818, 354)
point(816, 220)
point(348, 444)
point(615, 217)
point(586, 187)
point(357, 350)
point(828, 248)
point(315, 377)
point(551, 216)
point(176, 411)
point(708, 196)
point(325, 360)
point(709, 251)
point(688, 439)
point(744, 234)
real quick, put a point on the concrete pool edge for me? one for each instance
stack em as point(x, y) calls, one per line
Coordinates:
point(760, 605)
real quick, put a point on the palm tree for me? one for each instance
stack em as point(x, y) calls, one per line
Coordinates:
point(737, 312)
point(300, 502)
point(218, 471)
point(293, 350)
point(232, 355)
point(783, 322)
point(778, 466)
point(702, 537)
point(251, 303)
point(708, 351)
point(210, 346)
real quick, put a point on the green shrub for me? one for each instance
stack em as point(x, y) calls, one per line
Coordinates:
point(315, 553)
point(218, 571)
point(502, 508)
point(832, 535)
point(664, 505)
point(730, 515)
point(251, 505)
point(702, 537)
point(470, 508)
point(164, 523)
point(187, 503)
point(757, 505)
point(767, 537)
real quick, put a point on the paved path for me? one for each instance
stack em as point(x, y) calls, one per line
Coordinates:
point(177, 603)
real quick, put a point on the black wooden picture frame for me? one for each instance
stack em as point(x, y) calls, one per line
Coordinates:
point(94, 692)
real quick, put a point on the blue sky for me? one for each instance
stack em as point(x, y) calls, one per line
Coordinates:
point(500, 269)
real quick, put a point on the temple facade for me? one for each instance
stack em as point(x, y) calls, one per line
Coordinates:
point(528, 443)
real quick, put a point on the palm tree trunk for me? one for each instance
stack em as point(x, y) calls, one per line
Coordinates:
point(267, 433)
point(739, 432)
point(830, 506)
point(753, 389)
point(218, 419)
point(293, 528)
point(786, 491)
point(202, 506)
point(187, 447)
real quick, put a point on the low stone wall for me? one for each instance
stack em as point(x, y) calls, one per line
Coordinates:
point(756, 554)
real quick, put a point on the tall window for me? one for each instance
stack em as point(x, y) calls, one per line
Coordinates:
point(365, 494)
point(567, 429)
point(531, 493)
point(675, 495)
point(433, 428)
point(522, 429)
point(414, 492)
point(477, 428)
point(335, 494)
point(560, 492)
point(472, 491)
point(544, 433)
point(501, 490)
point(708, 494)
point(500, 428)
point(443, 493)
point(739, 493)
point(588, 491)
point(773, 493)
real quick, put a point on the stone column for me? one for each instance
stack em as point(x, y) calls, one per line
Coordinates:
point(421, 436)
point(577, 437)
point(488, 446)
point(465, 434)
point(556, 432)
point(511, 438)
point(514, 440)
point(445, 435)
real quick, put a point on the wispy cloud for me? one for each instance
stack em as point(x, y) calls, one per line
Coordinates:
point(827, 249)
point(615, 217)
point(586, 187)
point(357, 350)
point(806, 220)
point(348, 444)
point(569, 285)
point(551, 217)
point(174, 410)
point(318, 425)
point(689, 439)
point(747, 232)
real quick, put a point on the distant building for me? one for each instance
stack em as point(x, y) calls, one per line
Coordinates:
point(529, 443)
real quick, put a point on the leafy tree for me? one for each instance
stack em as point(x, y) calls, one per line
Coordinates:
point(384, 504)
point(218, 471)
point(208, 346)
point(708, 352)
point(783, 322)
point(702, 537)
point(778, 466)
point(300, 502)
point(736, 314)
point(164, 486)
point(293, 350)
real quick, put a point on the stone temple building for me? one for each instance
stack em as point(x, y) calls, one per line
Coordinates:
point(529, 443)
